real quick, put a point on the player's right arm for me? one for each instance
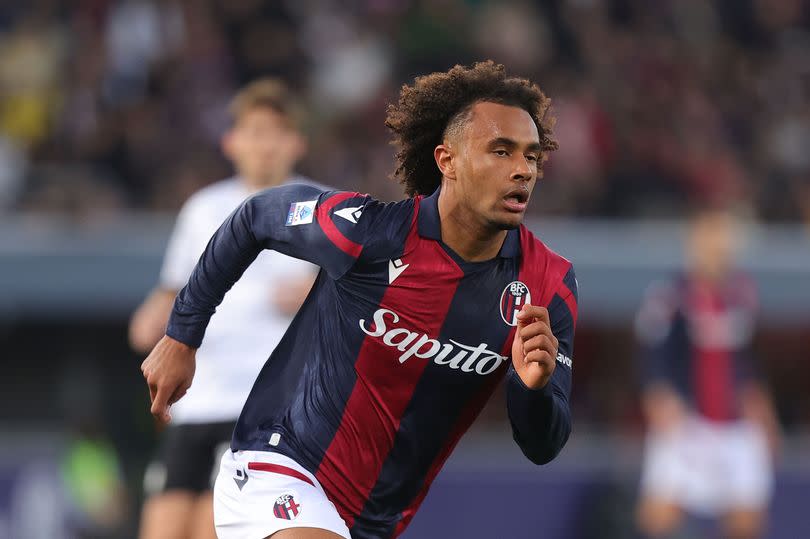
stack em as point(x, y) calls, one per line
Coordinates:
point(662, 405)
point(325, 228)
point(148, 322)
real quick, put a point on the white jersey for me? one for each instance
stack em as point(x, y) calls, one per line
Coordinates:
point(246, 326)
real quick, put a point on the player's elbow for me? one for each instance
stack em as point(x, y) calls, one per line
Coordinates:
point(542, 456)
point(546, 451)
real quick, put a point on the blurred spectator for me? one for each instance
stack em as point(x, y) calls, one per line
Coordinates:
point(92, 478)
point(13, 166)
point(711, 422)
point(90, 469)
point(664, 104)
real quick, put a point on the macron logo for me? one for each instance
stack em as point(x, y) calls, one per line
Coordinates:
point(395, 269)
point(350, 214)
point(240, 477)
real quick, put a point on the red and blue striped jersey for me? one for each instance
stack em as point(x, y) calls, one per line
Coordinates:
point(696, 337)
point(395, 350)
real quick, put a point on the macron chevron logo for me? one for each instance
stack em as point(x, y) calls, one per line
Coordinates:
point(240, 477)
point(395, 269)
point(350, 214)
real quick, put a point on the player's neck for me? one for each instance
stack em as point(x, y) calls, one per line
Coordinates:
point(255, 185)
point(466, 235)
point(709, 277)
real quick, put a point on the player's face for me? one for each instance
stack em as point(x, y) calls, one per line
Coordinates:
point(713, 244)
point(263, 146)
point(498, 162)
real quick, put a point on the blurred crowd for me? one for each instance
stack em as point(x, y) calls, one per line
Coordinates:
point(111, 104)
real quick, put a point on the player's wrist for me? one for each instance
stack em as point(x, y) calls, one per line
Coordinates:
point(540, 390)
point(178, 345)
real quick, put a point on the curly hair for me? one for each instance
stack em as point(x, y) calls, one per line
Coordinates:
point(440, 102)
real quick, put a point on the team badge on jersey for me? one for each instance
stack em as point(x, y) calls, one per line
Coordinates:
point(286, 508)
point(301, 213)
point(514, 297)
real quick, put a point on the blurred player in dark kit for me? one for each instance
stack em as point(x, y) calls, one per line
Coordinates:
point(264, 143)
point(711, 423)
point(421, 308)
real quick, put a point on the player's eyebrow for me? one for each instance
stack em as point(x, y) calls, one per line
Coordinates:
point(511, 144)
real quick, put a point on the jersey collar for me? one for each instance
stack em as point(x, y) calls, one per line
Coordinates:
point(429, 226)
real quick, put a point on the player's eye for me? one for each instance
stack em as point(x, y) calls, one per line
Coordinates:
point(532, 157)
point(501, 153)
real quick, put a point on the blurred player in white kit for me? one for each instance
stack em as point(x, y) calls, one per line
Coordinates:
point(264, 143)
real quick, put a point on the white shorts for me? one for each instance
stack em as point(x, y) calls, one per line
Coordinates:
point(258, 493)
point(709, 468)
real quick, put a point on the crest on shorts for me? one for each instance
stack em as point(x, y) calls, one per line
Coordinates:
point(286, 508)
point(514, 297)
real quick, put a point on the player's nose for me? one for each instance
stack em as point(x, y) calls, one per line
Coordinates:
point(523, 170)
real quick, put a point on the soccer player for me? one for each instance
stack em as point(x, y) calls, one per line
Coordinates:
point(710, 419)
point(420, 309)
point(263, 143)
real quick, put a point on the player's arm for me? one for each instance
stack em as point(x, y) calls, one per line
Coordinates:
point(292, 291)
point(756, 403)
point(539, 379)
point(757, 407)
point(663, 407)
point(148, 322)
point(296, 220)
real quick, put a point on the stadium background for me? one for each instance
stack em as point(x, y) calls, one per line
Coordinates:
point(110, 113)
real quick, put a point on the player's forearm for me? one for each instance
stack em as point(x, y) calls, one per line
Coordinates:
point(231, 250)
point(541, 420)
point(148, 323)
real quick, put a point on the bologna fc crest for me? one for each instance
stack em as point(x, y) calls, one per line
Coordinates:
point(514, 297)
point(286, 507)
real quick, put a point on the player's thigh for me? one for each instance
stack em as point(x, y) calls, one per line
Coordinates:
point(743, 524)
point(184, 461)
point(305, 533)
point(259, 494)
point(167, 515)
point(657, 517)
point(180, 472)
point(202, 517)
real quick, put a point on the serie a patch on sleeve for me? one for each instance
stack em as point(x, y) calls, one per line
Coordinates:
point(301, 213)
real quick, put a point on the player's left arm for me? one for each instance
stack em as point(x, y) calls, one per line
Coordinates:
point(756, 401)
point(539, 379)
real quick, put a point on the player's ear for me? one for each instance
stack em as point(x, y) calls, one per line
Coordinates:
point(444, 156)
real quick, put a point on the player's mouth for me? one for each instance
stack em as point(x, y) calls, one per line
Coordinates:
point(517, 199)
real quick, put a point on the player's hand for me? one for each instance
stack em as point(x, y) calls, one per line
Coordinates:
point(665, 410)
point(169, 370)
point(534, 349)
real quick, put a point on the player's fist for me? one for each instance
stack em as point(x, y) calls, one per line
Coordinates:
point(169, 370)
point(534, 349)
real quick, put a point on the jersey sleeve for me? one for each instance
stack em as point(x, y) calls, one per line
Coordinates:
point(179, 260)
point(328, 229)
point(654, 327)
point(747, 370)
point(541, 419)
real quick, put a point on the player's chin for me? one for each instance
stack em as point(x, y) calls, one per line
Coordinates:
point(509, 221)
